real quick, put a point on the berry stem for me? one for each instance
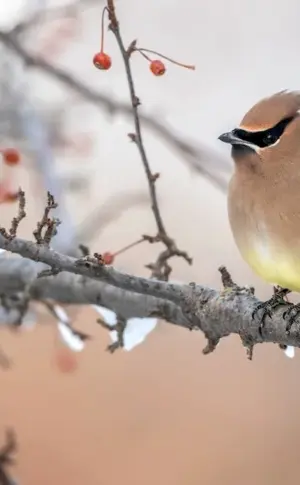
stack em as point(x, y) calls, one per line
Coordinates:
point(105, 9)
point(129, 246)
point(144, 55)
point(142, 51)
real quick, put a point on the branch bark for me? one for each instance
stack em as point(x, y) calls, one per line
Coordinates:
point(217, 313)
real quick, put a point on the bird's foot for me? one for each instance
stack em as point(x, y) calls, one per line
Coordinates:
point(291, 315)
point(270, 305)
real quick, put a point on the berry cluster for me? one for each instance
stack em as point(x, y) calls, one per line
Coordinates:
point(103, 61)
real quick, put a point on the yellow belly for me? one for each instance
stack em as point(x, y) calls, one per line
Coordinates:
point(275, 266)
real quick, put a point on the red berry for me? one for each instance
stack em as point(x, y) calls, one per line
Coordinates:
point(157, 67)
point(6, 195)
point(108, 258)
point(11, 196)
point(102, 61)
point(10, 156)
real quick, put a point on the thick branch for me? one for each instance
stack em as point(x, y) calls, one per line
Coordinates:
point(67, 288)
point(217, 314)
point(60, 262)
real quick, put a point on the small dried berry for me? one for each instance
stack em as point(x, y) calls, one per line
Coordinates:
point(102, 61)
point(11, 156)
point(11, 196)
point(157, 67)
point(7, 196)
point(108, 258)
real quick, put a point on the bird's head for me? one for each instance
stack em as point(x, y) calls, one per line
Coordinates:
point(270, 130)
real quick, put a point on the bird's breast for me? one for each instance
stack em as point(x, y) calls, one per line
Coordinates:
point(273, 263)
point(267, 237)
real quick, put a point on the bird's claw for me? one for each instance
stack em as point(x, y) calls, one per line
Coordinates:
point(291, 315)
point(270, 305)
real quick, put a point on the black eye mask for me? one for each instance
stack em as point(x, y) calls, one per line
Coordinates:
point(266, 138)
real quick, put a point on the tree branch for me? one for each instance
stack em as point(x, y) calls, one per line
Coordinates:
point(67, 288)
point(217, 313)
point(160, 269)
point(89, 267)
point(89, 280)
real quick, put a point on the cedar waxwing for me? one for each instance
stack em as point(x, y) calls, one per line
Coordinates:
point(264, 192)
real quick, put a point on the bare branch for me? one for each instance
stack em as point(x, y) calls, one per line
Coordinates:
point(68, 288)
point(190, 306)
point(21, 214)
point(120, 328)
point(16, 220)
point(160, 269)
point(84, 267)
point(89, 280)
point(47, 223)
point(53, 309)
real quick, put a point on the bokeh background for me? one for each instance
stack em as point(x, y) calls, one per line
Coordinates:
point(162, 413)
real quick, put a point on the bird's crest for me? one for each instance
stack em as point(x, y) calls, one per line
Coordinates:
point(269, 111)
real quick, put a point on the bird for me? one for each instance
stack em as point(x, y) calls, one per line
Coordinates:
point(264, 193)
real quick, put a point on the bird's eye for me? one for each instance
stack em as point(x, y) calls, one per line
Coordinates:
point(270, 138)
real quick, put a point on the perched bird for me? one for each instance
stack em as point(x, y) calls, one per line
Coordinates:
point(264, 192)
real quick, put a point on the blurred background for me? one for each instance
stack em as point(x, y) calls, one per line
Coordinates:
point(162, 413)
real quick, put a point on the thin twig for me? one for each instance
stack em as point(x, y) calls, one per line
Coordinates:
point(137, 136)
point(53, 310)
point(161, 269)
point(119, 327)
point(47, 223)
point(227, 280)
point(11, 234)
point(21, 214)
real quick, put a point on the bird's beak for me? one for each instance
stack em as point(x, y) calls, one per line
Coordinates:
point(231, 138)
